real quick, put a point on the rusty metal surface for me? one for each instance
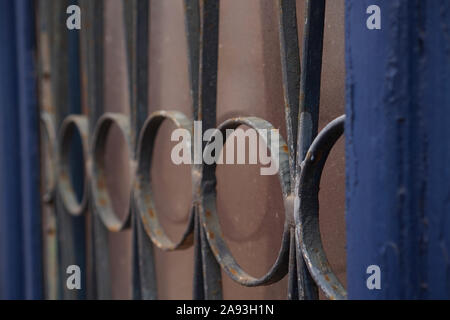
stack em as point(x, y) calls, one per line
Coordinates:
point(300, 256)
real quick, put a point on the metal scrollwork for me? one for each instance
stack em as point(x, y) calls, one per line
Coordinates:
point(301, 158)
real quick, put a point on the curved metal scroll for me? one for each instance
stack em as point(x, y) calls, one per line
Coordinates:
point(307, 210)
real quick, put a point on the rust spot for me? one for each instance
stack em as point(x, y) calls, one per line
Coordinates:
point(144, 219)
point(211, 234)
point(51, 231)
point(158, 232)
point(334, 287)
point(151, 213)
point(327, 278)
point(233, 271)
point(213, 248)
point(102, 202)
point(208, 213)
point(100, 183)
point(286, 149)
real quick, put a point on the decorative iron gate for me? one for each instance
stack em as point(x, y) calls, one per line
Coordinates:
point(301, 158)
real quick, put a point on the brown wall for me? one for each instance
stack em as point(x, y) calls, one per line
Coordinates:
point(250, 206)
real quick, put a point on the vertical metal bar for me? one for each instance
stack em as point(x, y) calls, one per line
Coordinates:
point(310, 76)
point(11, 259)
point(293, 283)
point(70, 229)
point(136, 17)
point(58, 58)
point(92, 48)
point(309, 112)
point(86, 98)
point(302, 96)
point(47, 110)
point(78, 223)
point(29, 149)
point(192, 25)
point(202, 25)
point(290, 64)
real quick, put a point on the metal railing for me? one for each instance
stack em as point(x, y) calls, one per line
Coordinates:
point(301, 158)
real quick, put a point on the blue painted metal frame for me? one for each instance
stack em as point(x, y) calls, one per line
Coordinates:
point(11, 258)
point(398, 149)
point(20, 224)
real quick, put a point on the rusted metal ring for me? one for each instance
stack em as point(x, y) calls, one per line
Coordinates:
point(307, 210)
point(208, 210)
point(143, 193)
point(69, 199)
point(49, 134)
point(101, 198)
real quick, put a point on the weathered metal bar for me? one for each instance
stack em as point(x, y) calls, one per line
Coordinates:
point(301, 95)
point(290, 64)
point(308, 121)
point(192, 26)
point(208, 53)
point(48, 151)
point(310, 76)
point(70, 229)
point(136, 17)
point(29, 149)
point(86, 95)
point(92, 66)
point(11, 258)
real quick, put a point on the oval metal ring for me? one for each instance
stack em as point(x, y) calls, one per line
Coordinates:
point(143, 193)
point(69, 126)
point(101, 198)
point(49, 134)
point(208, 210)
point(307, 210)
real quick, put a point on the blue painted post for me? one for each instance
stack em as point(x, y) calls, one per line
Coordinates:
point(20, 227)
point(29, 149)
point(398, 149)
point(11, 246)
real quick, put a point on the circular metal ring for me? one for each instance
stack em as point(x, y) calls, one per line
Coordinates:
point(143, 193)
point(49, 134)
point(307, 210)
point(69, 126)
point(208, 210)
point(101, 199)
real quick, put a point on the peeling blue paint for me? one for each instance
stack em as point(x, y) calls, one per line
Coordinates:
point(398, 149)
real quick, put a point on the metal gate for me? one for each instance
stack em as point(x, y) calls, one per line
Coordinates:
point(82, 212)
